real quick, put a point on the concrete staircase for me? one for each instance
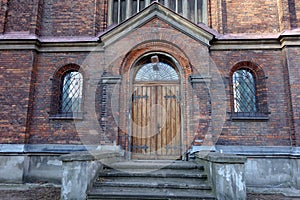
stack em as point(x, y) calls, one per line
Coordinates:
point(152, 180)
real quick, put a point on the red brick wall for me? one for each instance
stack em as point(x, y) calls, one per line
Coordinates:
point(19, 15)
point(15, 75)
point(276, 130)
point(70, 18)
point(232, 16)
point(293, 57)
point(22, 91)
point(42, 128)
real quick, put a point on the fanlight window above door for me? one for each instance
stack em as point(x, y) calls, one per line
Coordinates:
point(156, 72)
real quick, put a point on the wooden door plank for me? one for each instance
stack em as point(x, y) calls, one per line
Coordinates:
point(163, 124)
point(160, 109)
point(134, 121)
point(148, 120)
point(168, 121)
point(158, 117)
point(153, 140)
point(172, 133)
point(144, 119)
point(178, 123)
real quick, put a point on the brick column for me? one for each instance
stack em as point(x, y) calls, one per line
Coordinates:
point(110, 107)
point(3, 15)
point(201, 109)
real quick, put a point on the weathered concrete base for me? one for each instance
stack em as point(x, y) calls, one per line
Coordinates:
point(273, 172)
point(288, 192)
point(269, 168)
point(227, 174)
point(295, 172)
point(76, 179)
point(30, 168)
point(12, 168)
point(37, 163)
point(43, 168)
point(80, 170)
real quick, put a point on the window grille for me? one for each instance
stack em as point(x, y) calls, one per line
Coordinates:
point(194, 10)
point(244, 91)
point(156, 72)
point(71, 98)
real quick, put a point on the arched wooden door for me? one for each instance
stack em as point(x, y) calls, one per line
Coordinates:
point(156, 113)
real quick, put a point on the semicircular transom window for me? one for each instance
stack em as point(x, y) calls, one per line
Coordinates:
point(156, 72)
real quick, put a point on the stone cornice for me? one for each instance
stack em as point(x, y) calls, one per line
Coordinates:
point(290, 40)
point(249, 44)
point(49, 44)
point(87, 44)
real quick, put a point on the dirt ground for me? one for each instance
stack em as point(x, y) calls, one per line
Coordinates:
point(28, 193)
point(53, 193)
point(251, 196)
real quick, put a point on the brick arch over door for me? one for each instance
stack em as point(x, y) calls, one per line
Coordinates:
point(157, 46)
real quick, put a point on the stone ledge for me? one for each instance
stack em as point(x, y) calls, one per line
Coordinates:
point(217, 157)
point(89, 155)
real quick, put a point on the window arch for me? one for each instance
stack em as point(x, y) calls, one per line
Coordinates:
point(67, 93)
point(244, 91)
point(249, 92)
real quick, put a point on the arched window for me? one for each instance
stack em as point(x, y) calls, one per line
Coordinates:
point(244, 91)
point(71, 98)
point(67, 93)
point(156, 72)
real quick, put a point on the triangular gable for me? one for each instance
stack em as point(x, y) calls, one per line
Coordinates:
point(201, 33)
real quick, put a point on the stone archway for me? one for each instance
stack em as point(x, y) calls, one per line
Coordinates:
point(156, 125)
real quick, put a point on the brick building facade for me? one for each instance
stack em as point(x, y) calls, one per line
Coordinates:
point(214, 46)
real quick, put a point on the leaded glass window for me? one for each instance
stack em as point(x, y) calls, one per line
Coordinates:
point(71, 98)
point(120, 10)
point(156, 72)
point(244, 91)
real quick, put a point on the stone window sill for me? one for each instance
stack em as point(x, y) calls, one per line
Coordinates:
point(67, 116)
point(236, 116)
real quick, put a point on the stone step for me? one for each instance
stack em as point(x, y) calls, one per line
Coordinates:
point(186, 181)
point(155, 174)
point(175, 184)
point(152, 180)
point(154, 165)
point(148, 193)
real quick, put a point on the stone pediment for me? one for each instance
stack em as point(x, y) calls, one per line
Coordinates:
point(199, 32)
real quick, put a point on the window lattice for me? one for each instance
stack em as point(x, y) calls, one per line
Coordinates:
point(156, 72)
point(244, 91)
point(120, 10)
point(72, 93)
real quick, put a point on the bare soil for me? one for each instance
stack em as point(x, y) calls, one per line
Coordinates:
point(53, 193)
point(252, 196)
point(41, 193)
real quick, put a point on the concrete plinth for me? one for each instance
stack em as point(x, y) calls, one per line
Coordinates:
point(12, 168)
point(80, 170)
point(226, 172)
